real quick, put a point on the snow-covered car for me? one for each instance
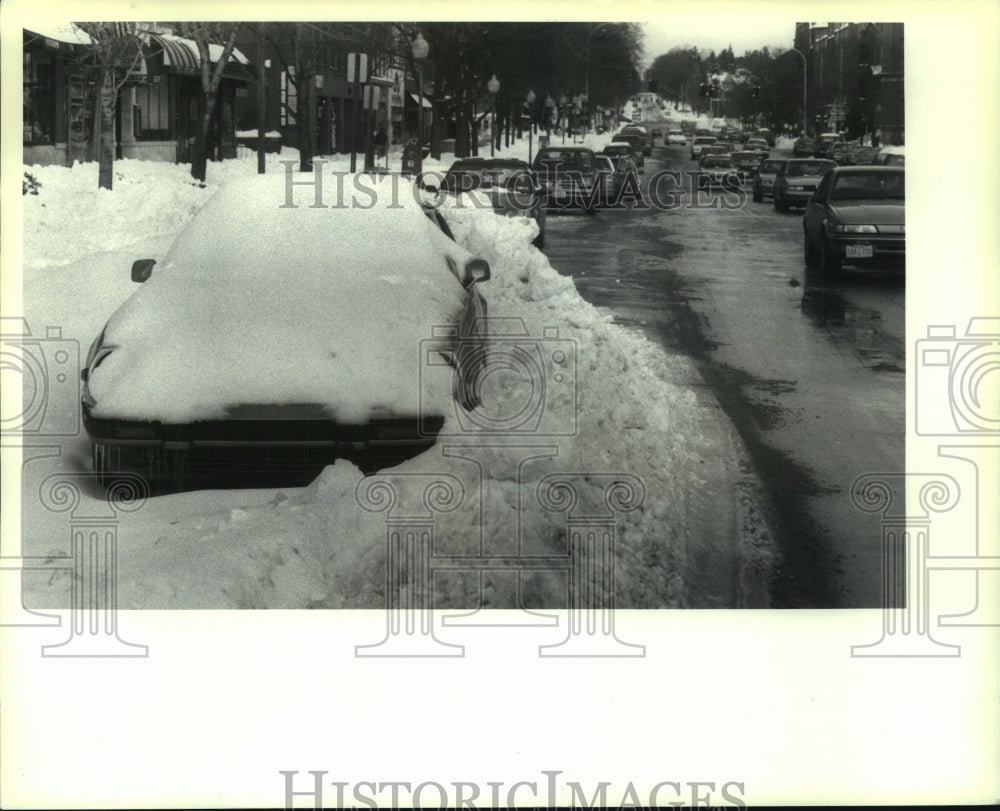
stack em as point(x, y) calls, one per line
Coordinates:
point(282, 330)
point(857, 217)
point(512, 187)
point(676, 137)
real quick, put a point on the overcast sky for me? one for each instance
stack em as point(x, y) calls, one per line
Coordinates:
point(745, 32)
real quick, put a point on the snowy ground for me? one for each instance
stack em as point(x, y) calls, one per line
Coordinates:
point(632, 413)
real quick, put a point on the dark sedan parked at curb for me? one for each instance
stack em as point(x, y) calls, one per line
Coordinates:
point(797, 180)
point(620, 149)
point(277, 336)
point(511, 185)
point(857, 217)
point(569, 175)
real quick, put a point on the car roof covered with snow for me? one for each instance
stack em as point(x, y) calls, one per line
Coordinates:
point(265, 298)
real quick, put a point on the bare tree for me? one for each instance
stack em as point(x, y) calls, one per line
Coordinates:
point(116, 51)
point(205, 36)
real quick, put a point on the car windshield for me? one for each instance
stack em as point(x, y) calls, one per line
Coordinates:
point(869, 186)
point(718, 162)
point(807, 168)
point(704, 140)
point(770, 167)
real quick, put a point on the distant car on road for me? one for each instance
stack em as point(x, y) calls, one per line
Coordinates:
point(825, 143)
point(646, 143)
point(715, 169)
point(699, 143)
point(746, 163)
point(766, 134)
point(839, 152)
point(635, 140)
point(803, 147)
point(758, 145)
point(763, 182)
point(797, 180)
point(626, 146)
point(676, 137)
point(858, 155)
point(568, 174)
point(857, 217)
point(511, 185)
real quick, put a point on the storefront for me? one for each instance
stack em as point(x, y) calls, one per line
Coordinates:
point(157, 112)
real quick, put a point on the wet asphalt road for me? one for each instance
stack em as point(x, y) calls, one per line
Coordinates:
point(810, 372)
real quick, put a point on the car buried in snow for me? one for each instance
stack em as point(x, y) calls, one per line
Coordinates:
point(511, 185)
point(276, 336)
point(857, 217)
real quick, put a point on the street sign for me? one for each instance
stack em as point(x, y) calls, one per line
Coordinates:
point(357, 64)
point(371, 97)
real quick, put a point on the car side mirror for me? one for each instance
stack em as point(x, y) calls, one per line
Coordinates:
point(142, 269)
point(476, 270)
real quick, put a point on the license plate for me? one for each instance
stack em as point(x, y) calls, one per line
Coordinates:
point(860, 251)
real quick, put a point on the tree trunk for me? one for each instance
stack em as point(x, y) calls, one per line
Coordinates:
point(106, 152)
point(435, 133)
point(461, 133)
point(199, 157)
point(306, 121)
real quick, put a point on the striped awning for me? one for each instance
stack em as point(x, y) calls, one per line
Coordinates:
point(180, 55)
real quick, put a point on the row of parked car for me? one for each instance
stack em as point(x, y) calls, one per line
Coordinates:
point(832, 146)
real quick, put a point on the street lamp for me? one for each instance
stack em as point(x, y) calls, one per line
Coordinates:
point(804, 81)
point(530, 108)
point(549, 113)
point(420, 51)
point(493, 85)
point(563, 116)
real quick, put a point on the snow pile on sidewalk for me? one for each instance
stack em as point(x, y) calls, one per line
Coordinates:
point(587, 401)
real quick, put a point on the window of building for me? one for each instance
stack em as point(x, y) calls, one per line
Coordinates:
point(151, 117)
point(39, 99)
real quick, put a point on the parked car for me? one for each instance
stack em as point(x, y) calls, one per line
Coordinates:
point(569, 175)
point(803, 147)
point(655, 132)
point(857, 217)
point(797, 180)
point(746, 163)
point(617, 148)
point(606, 173)
point(763, 182)
point(699, 143)
point(758, 145)
point(890, 156)
point(824, 145)
point(676, 137)
point(715, 169)
point(284, 336)
point(512, 186)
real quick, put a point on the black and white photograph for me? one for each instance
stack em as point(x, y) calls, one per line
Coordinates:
point(349, 355)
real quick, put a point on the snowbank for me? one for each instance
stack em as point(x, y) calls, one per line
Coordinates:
point(615, 408)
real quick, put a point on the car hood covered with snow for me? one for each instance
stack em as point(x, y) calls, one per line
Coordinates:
point(266, 298)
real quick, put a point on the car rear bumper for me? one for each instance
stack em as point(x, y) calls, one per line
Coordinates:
point(257, 447)
point(868, 250)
